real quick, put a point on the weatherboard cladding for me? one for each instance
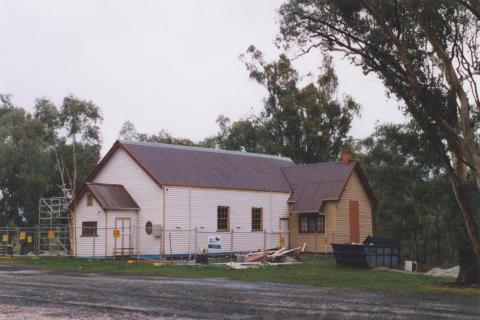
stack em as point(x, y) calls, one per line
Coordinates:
point(112, 196)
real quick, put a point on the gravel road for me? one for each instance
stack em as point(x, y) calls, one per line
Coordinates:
point(32, 294)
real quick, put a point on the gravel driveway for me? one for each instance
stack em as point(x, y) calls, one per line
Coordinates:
point(32, 294)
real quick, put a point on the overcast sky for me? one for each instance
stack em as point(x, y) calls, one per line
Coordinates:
point(170, 65)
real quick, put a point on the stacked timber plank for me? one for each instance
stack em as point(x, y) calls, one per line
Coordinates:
point(274, 256)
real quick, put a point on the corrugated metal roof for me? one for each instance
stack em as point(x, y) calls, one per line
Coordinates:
point(314, 184)
point(202, 167)
point(172, 165)
point(112, 196)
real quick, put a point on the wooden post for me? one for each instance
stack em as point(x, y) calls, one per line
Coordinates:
point(196, 243)
point(264, 244)
point(231, 245)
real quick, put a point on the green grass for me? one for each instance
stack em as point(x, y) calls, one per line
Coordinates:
point(315, 271)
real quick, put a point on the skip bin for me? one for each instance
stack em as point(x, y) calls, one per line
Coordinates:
point(374, 252)
point(353, 255)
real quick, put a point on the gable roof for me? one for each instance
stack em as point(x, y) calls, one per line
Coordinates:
point(173, 165)
point(314, 184)
point(111, 196)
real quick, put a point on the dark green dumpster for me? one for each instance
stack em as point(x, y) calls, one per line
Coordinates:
point(374, 252)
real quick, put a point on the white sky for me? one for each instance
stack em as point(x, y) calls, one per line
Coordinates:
point(170, 65)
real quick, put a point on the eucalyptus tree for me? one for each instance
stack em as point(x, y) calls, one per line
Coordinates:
point(129, 132)
point(80, 119)
point(414, 200)
point(24, 174)
point(300, 119)
point(426, 53)
point(34, 147)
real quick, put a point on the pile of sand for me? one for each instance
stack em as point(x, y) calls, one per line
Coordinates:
point(452, 272)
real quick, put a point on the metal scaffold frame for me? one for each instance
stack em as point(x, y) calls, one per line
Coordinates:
point(54, 226)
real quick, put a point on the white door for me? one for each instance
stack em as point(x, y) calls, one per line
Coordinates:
point(284, 232)
point(123, 244)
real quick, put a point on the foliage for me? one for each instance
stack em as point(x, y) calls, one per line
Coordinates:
point(305, 122)
point(415, 200)
point(129, 132)
point(245, 134)
point(80, 117)
point(426, 53)
point(33, 154)
point(22, 163)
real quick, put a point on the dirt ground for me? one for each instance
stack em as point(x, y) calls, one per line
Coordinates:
point(32, 294)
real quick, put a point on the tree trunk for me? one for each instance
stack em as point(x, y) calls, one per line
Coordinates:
point(74, 187)
point(469, 259)
point(438, 239)
point(74, 197)
point(469, 267)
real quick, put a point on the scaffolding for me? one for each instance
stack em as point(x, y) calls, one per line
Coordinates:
point(54, 226)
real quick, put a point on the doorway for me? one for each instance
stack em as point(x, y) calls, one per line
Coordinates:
point(284, 236)
point(354, 222)
point(123, 243)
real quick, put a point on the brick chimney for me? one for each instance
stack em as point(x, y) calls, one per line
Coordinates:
point(346, 155)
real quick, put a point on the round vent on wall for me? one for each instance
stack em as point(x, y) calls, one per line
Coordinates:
point(148, 227)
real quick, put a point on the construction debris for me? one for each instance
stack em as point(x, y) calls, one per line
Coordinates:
point(452, 272)
point(274, 256)
point(246, 265)
point(237, 265)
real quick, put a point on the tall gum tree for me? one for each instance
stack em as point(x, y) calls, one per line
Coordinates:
point(426, 53)
point(80, 118)
point(308, 121)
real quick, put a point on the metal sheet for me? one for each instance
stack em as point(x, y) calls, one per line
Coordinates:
point(174, 165)
point(314, 184)
point(210, 168)
point(112, 196)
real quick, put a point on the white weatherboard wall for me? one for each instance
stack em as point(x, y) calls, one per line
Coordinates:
point(186, 209)
point(196, 208)
point(103, 244)
point(122, 169)
point(90, 246)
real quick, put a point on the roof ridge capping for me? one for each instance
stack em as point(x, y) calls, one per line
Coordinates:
point(326, 163)
point(203, 149)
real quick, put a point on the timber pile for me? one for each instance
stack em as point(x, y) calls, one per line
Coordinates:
point(274, 255)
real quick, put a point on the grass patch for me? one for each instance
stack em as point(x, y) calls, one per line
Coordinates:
point(315, 271)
